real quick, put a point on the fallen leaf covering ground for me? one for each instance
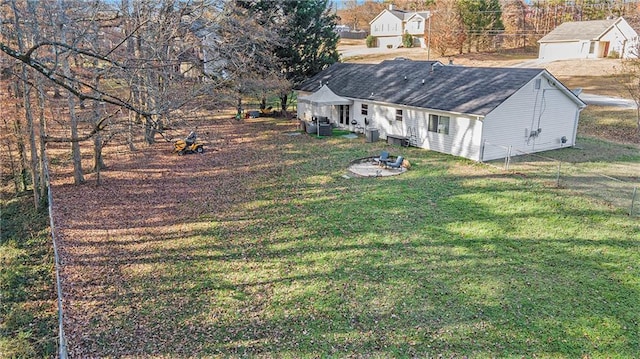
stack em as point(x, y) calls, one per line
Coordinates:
point(109, 233)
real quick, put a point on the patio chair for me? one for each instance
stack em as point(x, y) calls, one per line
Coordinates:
point(384, 157)
point(396, 164)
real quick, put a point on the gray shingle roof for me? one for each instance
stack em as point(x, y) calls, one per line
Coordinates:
point(405, 15)
point(578, 30)
point(470, 90)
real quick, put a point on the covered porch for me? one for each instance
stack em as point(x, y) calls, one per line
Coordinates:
point(316, 111)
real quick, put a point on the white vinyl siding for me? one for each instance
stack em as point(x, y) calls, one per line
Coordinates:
point(463, 140)
point(622, 39)
point(513, 125)
point(386, 24)
point(387, 28)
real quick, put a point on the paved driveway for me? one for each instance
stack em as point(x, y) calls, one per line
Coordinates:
point(591, 99)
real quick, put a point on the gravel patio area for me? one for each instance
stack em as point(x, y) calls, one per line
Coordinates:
point(365, 167)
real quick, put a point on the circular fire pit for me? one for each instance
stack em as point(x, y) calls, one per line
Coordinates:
point(366, 167)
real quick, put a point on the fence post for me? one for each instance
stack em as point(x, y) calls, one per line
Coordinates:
point(558, 174)
point(633, 200)
point(507, 160)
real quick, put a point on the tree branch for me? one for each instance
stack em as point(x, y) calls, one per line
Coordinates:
point(52, 76)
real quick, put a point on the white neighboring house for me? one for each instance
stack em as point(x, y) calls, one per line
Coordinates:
point(473, 112)
point(589, 40)
point(390, 24)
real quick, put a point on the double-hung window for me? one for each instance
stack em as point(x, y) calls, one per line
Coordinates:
point(439, 124)
point(398, 115)
point(364, 109)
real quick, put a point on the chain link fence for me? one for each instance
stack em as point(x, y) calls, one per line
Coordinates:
point(614, 182)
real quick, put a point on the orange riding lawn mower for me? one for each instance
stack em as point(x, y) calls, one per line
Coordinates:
point(188, 145)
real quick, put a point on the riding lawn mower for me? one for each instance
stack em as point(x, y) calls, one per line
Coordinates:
point(188, 145)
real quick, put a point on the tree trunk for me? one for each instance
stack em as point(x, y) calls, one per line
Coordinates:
point(98, 163)
point(42, 128)
point(78, 176)
point(98, 143)
point(33, 163)
point(23, 175)
point(42, 175)
point(284, 99)
point(239, 108)
point(14, 167)
point(26, 100)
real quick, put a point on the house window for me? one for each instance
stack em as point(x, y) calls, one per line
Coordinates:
point(439, 124)
point(364, 109)
point(592, 47)
point(398, 115)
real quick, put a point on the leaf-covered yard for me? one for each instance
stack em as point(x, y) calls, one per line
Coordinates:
point(261, 247)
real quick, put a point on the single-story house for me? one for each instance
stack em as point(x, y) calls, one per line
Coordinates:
point(590, 40)
point(473, 112)
point(389, 26)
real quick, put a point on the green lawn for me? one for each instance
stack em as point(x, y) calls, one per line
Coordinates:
point(452, 258)
point(28, 321)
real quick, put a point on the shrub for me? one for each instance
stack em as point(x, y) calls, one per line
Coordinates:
point(407, 40)
point(371, 41)
point(613, 54)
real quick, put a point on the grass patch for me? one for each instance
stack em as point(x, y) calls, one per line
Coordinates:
point(338, 132)
point(334, 132)
point(449, 259)
point(28, 321)
point(610, 123)
point(601, 85)
point(595, 169)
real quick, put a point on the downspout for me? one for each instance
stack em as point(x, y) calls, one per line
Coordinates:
point(575, 127)
point(482, 139)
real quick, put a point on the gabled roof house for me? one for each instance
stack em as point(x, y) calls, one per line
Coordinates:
point(590, 40)
point(389, 26)
point(473, 112)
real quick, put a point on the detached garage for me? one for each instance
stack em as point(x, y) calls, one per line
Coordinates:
point(477, 113)
point(589, 40)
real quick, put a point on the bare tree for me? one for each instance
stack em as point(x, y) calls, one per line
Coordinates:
point(446, 30)
point(128, 69)
point(36, 176)
point(629, 76)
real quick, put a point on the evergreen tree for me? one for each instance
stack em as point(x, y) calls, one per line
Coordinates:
point(481, 20)
point(308, 40)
